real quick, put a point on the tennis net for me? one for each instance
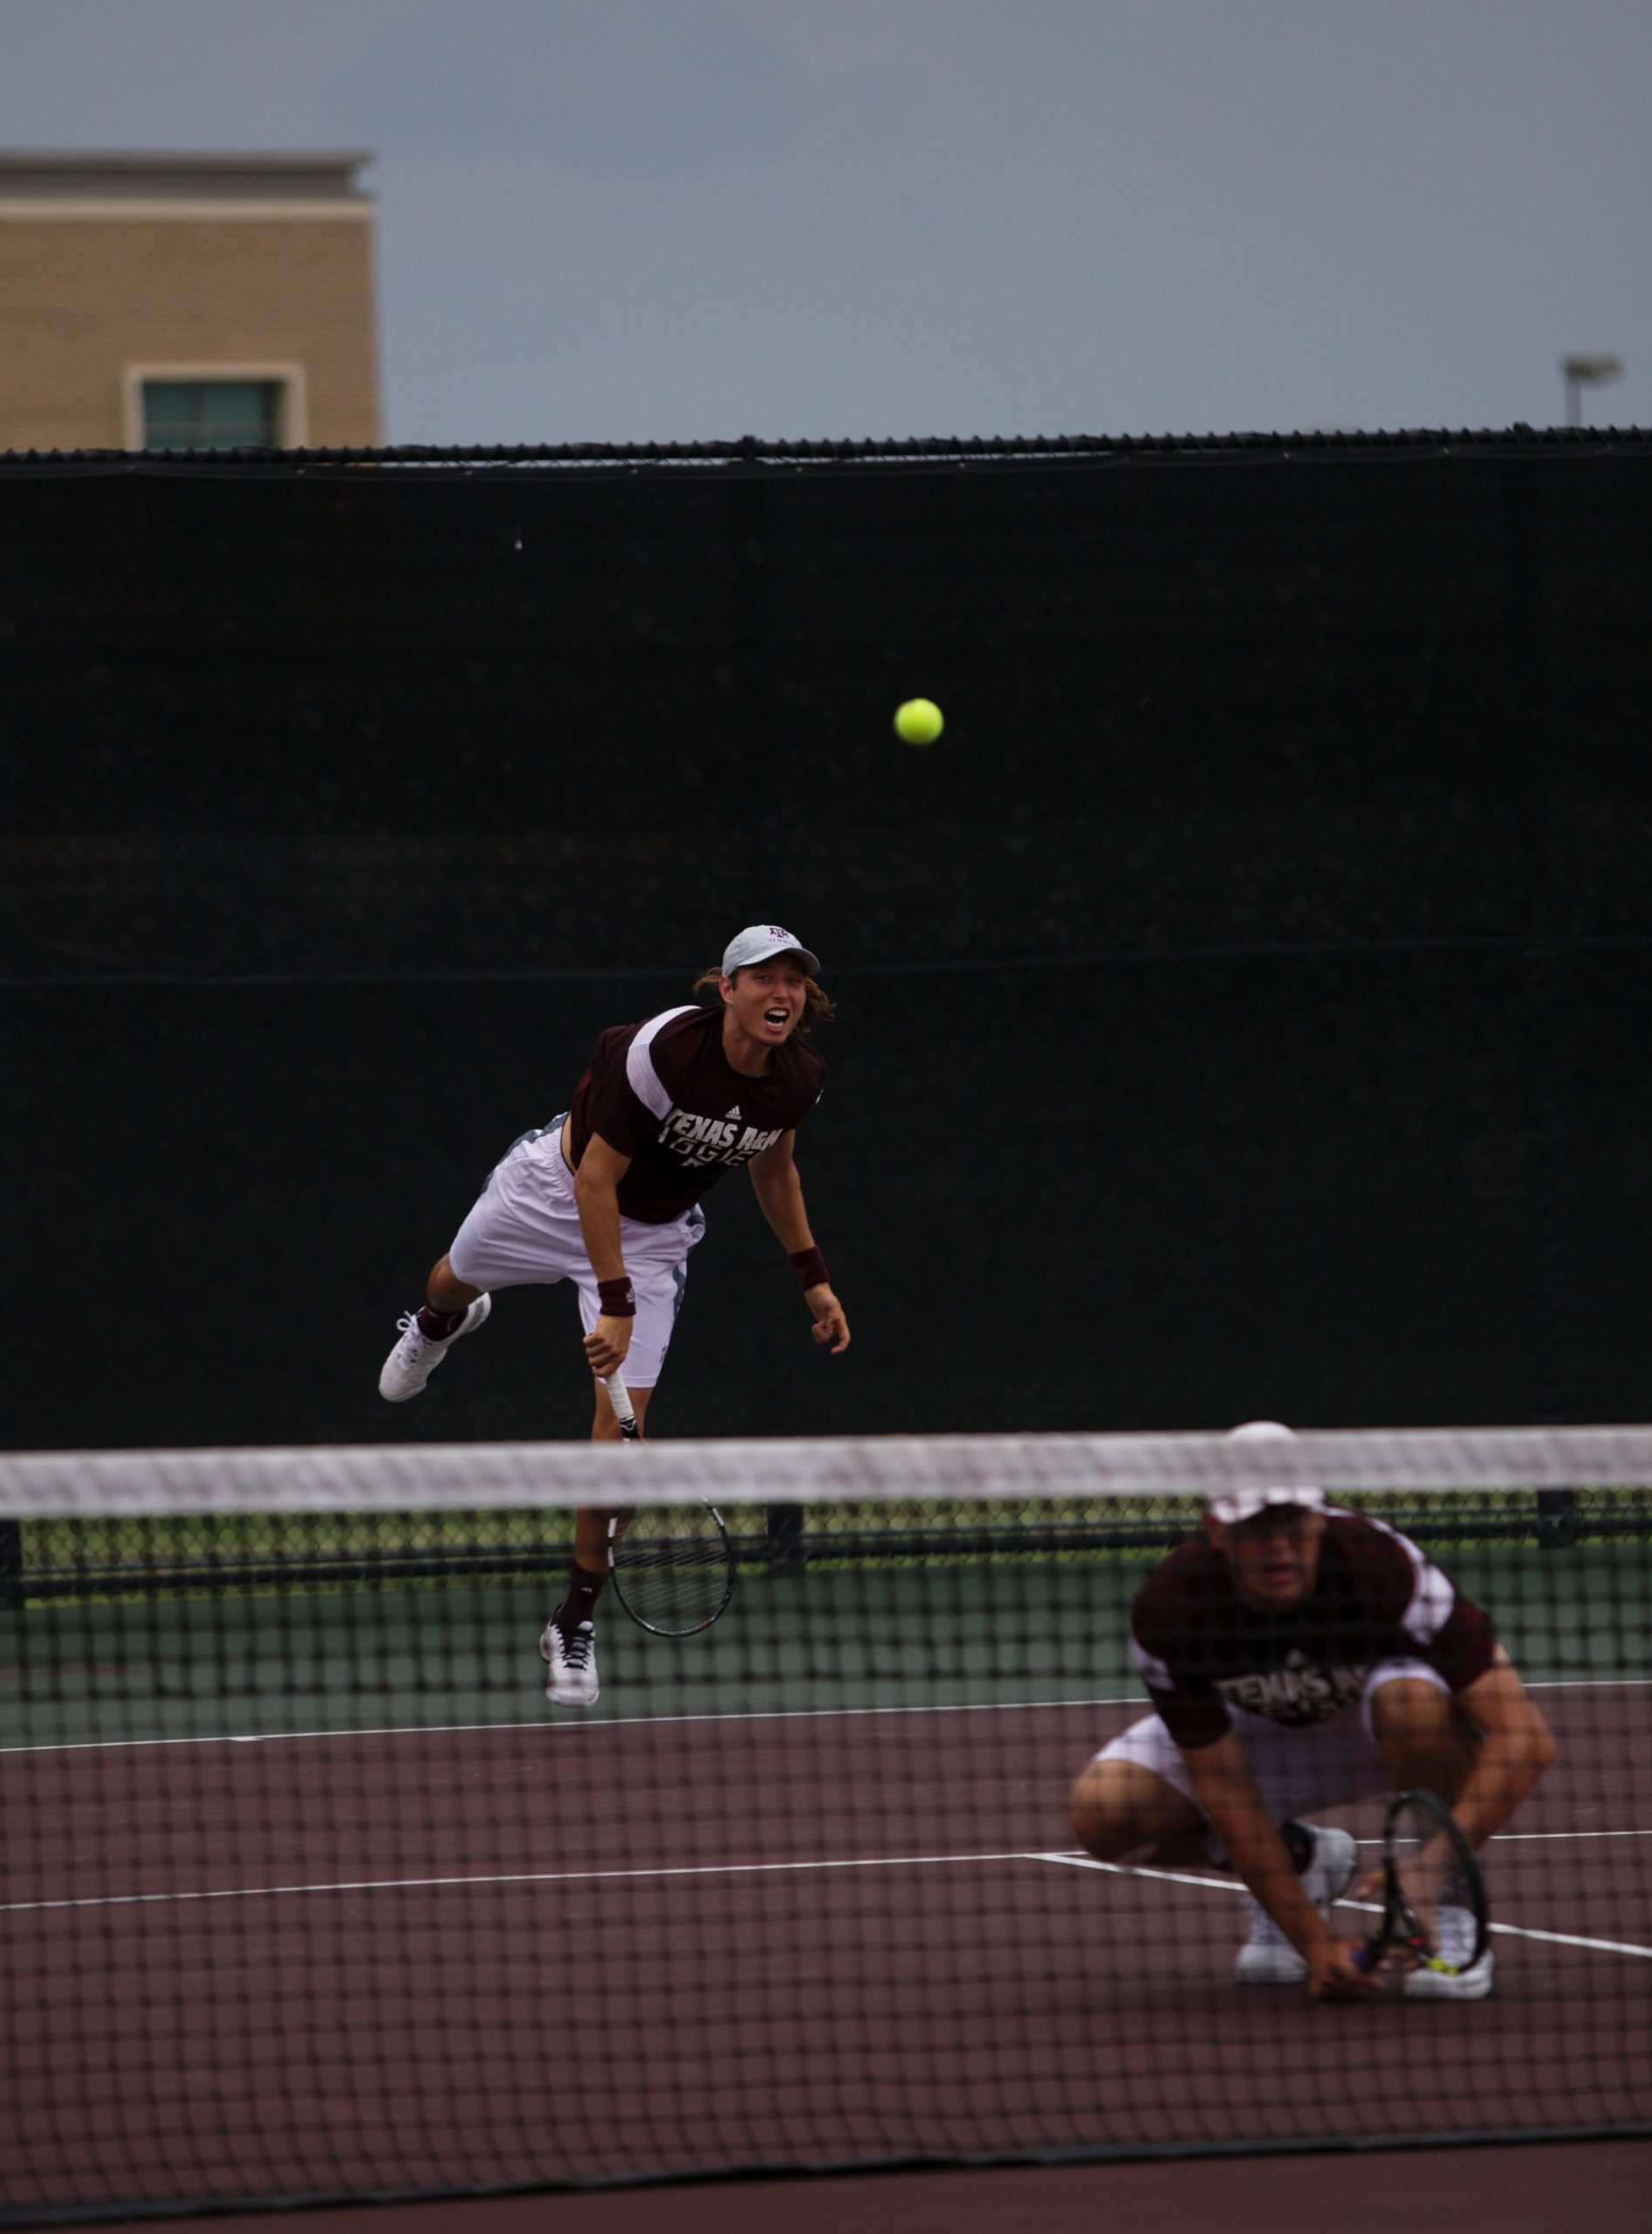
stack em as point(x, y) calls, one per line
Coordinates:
point(308, 1893)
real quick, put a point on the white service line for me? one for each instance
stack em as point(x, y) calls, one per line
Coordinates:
point(1367, 1908)
point(555, 1727)
point(1136, 1699)
point(1504, 1837)
point(734, 1869)
point(530, 1877)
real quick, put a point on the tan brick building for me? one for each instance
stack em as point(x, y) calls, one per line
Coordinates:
point(190, 300)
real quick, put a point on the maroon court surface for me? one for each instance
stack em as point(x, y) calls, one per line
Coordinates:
point(1603, 2185)
point(375, 1962)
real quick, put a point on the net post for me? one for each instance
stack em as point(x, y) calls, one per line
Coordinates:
point(787, 1551)
point(1558, 1520)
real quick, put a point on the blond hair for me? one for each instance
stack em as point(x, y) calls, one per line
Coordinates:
point(818, 1007)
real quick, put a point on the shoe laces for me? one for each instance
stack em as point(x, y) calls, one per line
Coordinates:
point(578, 1645)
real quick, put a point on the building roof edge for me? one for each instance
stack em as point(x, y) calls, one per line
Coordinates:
point(214, 175)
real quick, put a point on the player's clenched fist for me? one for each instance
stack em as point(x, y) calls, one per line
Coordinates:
point(606, 1344)
point(1335, 1976)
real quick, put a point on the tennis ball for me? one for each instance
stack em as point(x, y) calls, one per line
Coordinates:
point(918, 721)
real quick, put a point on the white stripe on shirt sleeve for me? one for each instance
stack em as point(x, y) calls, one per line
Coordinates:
point(641, 1075)
point(1432, 1594)
point(1153, 1671)
point(1431, 1600)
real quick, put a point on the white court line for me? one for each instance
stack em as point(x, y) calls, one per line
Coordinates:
point(534, 1877)
point(1368, 1908)
point(610, 1722)
point(1504, 1837)
point(733, 1869)
point(649, 1721)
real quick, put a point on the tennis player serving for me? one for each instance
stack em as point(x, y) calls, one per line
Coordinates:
point(609, 1196)
point(1298, 1657)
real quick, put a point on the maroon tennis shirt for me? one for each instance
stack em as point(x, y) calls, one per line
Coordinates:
point(1201, 1650)
point(664, 1094)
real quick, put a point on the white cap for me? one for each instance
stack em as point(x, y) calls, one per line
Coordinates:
point(757, 942)
point(1233, 1506)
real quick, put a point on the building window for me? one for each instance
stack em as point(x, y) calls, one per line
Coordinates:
point(212, 414)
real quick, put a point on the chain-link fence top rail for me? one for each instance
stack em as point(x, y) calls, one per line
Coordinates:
point(755, 450)
point(306, 1889)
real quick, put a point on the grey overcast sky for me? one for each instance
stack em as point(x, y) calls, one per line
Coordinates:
point(607, 220)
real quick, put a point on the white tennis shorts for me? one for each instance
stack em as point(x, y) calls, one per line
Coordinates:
point(1322, 1764)
point(523, 1229)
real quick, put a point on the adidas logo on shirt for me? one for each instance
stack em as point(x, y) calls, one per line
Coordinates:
point(734, 1111)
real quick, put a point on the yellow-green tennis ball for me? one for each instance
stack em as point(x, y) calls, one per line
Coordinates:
point(918, 721)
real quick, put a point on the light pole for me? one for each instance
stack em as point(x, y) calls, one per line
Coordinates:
point(1586, 371)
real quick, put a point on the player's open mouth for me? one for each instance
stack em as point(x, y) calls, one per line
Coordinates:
point(779, 1017)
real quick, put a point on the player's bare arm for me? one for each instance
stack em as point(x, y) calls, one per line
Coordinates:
point(596, 1192)
point(1234, 1807)
point(1516, 1750)
point(779, 1193)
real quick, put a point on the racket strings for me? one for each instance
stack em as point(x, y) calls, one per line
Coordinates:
point(1426, 1879)
point(671, 1567)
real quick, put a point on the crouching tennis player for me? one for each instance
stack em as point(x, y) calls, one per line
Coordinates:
point(1300, 1657)
point(609, 1196)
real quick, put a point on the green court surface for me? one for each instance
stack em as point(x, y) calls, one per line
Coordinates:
point(256, 1661)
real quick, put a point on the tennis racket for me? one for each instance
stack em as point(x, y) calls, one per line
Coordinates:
point(1427, 1866)
point(672, 1566)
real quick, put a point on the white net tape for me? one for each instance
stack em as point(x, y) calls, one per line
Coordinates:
point(796, 1471)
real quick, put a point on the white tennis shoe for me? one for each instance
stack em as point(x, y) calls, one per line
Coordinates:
point(570, 1656)
point(415, 1357)
point(1267, 1957)
point(1453, 1936)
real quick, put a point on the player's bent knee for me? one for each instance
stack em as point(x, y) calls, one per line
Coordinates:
point(1118, 1809)
point(1408, 1708)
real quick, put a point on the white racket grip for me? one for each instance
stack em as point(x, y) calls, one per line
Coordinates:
point(619, 1397)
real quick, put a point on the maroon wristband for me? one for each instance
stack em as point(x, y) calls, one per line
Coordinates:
point(616, 1299)
point(810, 1267)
